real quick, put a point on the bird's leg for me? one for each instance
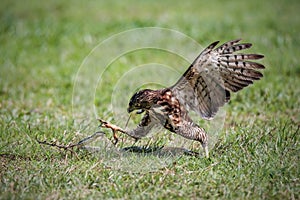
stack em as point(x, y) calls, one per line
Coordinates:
point(205, 148)
point(192, 131)
point(113, 127)
point(140, 131)
point(93, 137)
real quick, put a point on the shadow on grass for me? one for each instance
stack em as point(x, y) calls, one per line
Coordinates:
point(138, 159)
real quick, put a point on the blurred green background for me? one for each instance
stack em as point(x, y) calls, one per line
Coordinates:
point(42, 45)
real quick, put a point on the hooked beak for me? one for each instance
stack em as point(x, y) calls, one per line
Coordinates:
point(129, 109)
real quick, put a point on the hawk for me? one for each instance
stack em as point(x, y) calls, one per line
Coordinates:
point(203, 88)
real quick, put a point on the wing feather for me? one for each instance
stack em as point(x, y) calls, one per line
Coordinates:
point(207, 83)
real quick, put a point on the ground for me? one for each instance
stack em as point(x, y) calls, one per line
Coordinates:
point(43, 44)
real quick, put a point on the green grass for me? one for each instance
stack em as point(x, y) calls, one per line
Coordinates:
point(42, 46)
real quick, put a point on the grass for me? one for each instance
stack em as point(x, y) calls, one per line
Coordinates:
point(42, 48)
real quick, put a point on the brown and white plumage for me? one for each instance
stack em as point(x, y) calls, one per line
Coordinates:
point(203, 88)
point(207, 83)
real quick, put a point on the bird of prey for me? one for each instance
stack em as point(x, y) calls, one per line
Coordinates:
point(203, 88)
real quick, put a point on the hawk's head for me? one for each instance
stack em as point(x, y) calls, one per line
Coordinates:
point(142, 99)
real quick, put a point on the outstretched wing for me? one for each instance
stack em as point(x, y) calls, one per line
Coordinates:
point(207, 83)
